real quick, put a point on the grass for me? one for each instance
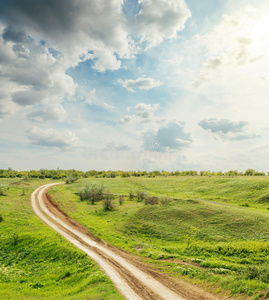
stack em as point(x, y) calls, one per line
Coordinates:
point(206, 236)
point(36, 262)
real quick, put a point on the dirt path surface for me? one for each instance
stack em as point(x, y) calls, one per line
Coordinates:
point(133, 279)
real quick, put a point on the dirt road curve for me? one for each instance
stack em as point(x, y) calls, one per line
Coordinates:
point(133, 279)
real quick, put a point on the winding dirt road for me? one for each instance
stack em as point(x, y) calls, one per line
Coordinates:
point(133, 279)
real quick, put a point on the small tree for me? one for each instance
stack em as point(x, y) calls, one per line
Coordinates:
point(23, 191)
point(107, 202)
point(92, 193)
point(131, 194)
point(121, 199)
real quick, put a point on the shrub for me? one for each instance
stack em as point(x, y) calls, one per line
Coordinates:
point(131, 194)
point(121, 199)
point(23, 191)
point(1, 218)
point(165, 199)
point(107, 202)
point(92, 193)
point(71, 179)
point(2, 192)
point(151, 200)
point(141, 195)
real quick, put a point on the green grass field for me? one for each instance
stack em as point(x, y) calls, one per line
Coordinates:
point(215, 233)
point(36, 262)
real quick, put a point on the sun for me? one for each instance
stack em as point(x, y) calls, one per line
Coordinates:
point(259, 34)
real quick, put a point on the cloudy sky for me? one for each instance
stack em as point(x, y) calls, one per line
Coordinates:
point(134, 84)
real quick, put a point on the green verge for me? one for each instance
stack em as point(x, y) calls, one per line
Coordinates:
point(215, 233)
point(35, 261)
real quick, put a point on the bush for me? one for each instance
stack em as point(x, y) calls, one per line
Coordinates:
point(71, 179)
point(151, 200)
point(141, 195)
point(257, 272)
point(92, 193)
point(2, 192)
point(121, 199)
point(165, 199)
point(131, 194)
point(1, 218)
point(107, 202)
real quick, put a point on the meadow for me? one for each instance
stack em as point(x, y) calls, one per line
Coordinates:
point(36, 262)
point(214, 233)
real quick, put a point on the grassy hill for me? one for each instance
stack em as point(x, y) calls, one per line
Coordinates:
point(215, 232)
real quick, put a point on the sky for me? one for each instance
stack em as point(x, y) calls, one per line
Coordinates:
point(134, 84)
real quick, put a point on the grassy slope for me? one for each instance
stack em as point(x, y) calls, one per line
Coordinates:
point(228, 244)
point(35, 262)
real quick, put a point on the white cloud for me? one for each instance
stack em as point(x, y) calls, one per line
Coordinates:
point(225, 129)
point(222, 125)
point(160, 19)
point(126, 119)
point(48, 113)
point(146, 111)
point(95, 102)
point(141, 83)
point(52, 138)
point(172, 136)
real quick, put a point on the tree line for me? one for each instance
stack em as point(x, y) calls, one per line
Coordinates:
point(75, 174)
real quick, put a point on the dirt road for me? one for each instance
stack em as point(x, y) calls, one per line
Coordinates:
point(133, 279)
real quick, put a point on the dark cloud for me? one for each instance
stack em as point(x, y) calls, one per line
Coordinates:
point(14, 35)
point(26, 98)
point(222, 125)
point(169, 137)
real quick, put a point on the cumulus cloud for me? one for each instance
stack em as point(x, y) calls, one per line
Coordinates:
point(126, 119)
point(74, 28)
point(48, 113)
point(141, 83)
point(169, 137)
point(222, 125)
point(97, 103)
point(30, 73)
point(146, 111)
point(52, 138)
point(40, 41)
point(160, 19)
point(226, 129)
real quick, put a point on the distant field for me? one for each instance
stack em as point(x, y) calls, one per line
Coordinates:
point(215, 232)
point(235, 190)
point(37, 263)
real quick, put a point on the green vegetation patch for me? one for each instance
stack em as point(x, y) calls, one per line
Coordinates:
point(36, 262)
